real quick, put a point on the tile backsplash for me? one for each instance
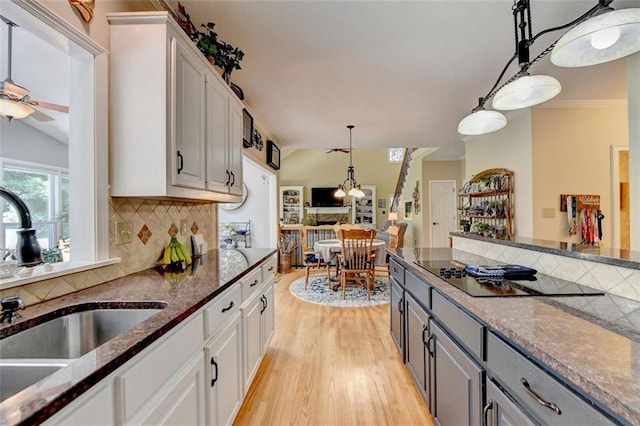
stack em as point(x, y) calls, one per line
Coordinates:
point(153, 221)
point(617, 280)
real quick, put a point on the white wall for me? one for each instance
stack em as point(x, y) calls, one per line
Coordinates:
point(259, 207)
point(509, 148)
point(19, 141)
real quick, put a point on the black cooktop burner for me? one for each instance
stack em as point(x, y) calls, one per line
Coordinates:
point(538, 285)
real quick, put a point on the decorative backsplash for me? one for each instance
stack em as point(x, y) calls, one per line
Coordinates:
point(153, 224)
point(611, 279)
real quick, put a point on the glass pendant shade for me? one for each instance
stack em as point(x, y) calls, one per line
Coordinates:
point(482, 122)
point(340, 192)
point(526, 91)
point(13, 109)
point(356, 192)
point(602, 38)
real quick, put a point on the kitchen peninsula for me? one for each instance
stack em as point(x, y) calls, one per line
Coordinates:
point(156, 370)
point(533, 359)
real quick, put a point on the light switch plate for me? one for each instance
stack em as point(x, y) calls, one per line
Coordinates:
point(124, 232)
point(184, 227)
point(548, 212)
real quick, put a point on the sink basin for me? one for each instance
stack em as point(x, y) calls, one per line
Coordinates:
point(39, 351)
point(15, 377)
point(72, 335)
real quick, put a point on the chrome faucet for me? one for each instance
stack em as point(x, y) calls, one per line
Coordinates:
point(10, 306)
point(28, 249)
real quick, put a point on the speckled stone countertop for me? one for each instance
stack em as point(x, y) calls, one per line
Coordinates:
point(609, 256)
point(214, 273)
point(577, 336)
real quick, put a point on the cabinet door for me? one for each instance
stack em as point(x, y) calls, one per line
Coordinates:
point(183, 401)
point(217, 118)
point(458, 383)
point(268, 315)
point(224, 374)
point(252, 330)
point(501, 411)
point(82, 411)
point(188, 167)
point(396, 303)
point(235, 147)
point(416, 346)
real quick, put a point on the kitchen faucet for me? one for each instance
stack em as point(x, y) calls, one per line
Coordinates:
point(28, 250)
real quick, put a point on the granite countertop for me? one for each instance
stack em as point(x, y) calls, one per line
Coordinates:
point(582, 338)
point(214, 273)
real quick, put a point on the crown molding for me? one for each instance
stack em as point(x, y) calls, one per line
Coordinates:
point(585, 103)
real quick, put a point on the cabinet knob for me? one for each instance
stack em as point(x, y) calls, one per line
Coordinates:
point(180, 162)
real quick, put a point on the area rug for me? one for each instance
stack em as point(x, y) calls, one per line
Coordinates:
point(319, 293)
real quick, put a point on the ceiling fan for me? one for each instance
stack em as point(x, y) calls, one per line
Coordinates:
point(15, 101)
point(343, 150)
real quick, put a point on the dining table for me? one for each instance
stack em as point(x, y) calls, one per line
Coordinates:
point(330, 248)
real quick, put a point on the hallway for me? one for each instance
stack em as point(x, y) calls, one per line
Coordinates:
point(331, 366)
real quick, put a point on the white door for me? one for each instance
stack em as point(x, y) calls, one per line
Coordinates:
point(442, 211)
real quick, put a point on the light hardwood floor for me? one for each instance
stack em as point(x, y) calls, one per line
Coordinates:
point(331, 366)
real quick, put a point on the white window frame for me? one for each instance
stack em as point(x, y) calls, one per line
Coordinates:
point(88, 136)
point(390, 152)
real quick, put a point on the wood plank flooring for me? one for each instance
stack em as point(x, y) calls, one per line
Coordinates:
point(331, 366)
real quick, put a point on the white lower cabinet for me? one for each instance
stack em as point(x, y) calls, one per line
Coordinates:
point(82, 411)
point(223, 357)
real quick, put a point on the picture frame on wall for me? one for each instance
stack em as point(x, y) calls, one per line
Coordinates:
point(408, 210)
point(273, 155)
point(247, 128)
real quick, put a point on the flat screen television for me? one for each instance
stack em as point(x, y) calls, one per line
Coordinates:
point(323, 197)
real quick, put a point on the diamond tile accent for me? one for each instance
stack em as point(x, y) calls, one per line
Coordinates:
point(173, 230)
point(145, 234)
point(194, 228)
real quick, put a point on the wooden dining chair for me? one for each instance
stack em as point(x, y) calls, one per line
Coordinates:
point(312, 260)
point(357, 258)
point(394, 243)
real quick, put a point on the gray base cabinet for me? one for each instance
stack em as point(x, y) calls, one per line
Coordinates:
point(418, 360)
point(458, 382)
point(502, 411)
point(396, 303)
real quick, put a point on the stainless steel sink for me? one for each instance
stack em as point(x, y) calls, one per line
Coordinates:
point(16, 376)
point(73, 335)
point(37, 352)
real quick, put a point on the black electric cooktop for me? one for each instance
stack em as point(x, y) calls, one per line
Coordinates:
point(538, 285)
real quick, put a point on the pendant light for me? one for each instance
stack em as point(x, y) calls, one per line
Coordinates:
point(12, 109)
point(524, 90)
point(608, 35)
point(481, 121)
point(350, 181)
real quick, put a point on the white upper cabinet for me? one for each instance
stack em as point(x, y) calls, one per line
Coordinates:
point(175, 127)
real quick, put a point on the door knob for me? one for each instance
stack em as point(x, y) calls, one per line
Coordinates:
point(435, 223)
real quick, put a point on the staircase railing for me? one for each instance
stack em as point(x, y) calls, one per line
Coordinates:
point(404, 170)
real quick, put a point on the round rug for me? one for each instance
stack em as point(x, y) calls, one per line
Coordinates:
point(318, 292)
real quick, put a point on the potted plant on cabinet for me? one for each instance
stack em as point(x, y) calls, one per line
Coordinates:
point(222, 54)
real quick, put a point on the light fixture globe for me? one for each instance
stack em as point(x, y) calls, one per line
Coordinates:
point(12, 109)
point(340, 192)
point(601, 38)
point(481, 122)
point(526, 91)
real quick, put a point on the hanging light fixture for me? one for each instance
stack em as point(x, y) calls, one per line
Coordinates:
point(350, 181)
point(12, 109)
point(481, 121)
point(599, 35)
point(607, 35)
point(524, 90)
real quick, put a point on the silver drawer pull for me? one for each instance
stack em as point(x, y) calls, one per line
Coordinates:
point(537, 397)
point(485, 413)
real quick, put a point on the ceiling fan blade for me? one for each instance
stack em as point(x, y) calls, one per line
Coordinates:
point(40, 116)
point(54, 107)
point(12, 90)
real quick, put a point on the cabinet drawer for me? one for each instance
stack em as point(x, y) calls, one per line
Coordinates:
point(221, 308)
point(397, 271)
point(419, 289)
point(269, 269)
point(468, 331)
point(156, 364)
point(251, 283)
point(510, 368)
